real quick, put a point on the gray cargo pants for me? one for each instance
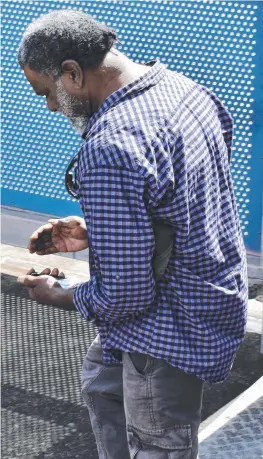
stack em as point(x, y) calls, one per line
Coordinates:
point(143, 409)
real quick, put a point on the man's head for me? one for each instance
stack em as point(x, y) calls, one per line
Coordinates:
point(60, 54)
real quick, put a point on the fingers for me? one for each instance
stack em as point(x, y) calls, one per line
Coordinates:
point(70, 218)
point(40, 249)
point(47, 251)
point(47, 272)
point(33, 272)
point(55, 272)
point(64, 223)
point(53, 221)
point(68, 222)
point(60, 274)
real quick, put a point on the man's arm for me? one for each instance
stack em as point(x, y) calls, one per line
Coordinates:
point(121, 244)
point(46, 290)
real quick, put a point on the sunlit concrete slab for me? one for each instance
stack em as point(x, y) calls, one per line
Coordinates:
point(235, 431)
point(16, 261)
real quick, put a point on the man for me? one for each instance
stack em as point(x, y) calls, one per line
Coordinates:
point(168, 288)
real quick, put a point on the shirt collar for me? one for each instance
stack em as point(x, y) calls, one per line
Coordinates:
point(151, 78)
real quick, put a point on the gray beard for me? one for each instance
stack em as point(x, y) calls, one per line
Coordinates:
point(67, 105)
point(79, 123)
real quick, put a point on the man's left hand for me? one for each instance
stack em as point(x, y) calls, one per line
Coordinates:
point(43, 289)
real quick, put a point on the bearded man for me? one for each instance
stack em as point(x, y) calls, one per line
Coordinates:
point(168, 288)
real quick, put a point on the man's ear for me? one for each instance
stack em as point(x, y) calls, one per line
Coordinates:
point(72, 75)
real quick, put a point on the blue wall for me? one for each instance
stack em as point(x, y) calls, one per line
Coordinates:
point(218, 44)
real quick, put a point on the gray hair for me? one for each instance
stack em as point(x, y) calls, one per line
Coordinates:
point(64, 34)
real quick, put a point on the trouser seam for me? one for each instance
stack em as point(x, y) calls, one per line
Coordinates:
point(92, 405)
point(149, 394)
point(93, 379)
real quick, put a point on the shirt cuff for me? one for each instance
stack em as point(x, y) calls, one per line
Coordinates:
point(81, 291)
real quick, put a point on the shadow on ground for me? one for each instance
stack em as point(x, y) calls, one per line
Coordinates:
point(43, 414)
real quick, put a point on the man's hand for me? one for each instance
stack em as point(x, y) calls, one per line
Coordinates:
point(59, 235)
point(45, 289)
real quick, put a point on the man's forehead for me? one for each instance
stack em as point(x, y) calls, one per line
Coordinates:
point(37, 80)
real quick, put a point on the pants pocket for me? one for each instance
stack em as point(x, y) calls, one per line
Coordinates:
point(171, 443)
point(139, 362)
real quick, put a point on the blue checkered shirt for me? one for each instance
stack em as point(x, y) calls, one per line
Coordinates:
point(159, 149)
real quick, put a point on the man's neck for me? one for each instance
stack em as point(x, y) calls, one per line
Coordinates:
point(116, 72)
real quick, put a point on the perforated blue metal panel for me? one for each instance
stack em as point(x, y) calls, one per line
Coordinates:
point(216, 43)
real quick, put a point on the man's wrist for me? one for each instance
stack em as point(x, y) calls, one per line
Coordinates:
point(63, 299)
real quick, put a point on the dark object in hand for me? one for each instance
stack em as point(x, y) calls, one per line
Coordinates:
point(42, 240)
point(35, 274)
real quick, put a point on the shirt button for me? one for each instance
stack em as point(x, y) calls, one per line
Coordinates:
point(117, 277)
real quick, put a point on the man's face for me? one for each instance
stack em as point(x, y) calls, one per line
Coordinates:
point(72, 107)
point(77, 110)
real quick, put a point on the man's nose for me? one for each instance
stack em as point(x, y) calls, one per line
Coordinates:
point(51, 105)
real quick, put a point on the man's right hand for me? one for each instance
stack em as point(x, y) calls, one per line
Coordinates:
point(59, 235)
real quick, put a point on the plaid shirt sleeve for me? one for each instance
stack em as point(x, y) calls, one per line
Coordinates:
point(121, 245)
